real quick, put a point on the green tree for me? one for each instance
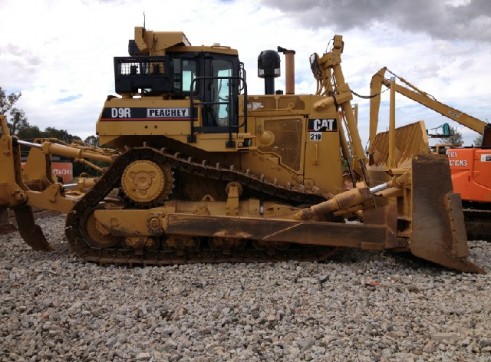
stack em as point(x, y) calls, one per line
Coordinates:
point(92, 141)
point(18, 120)
point(60, 134)
point(454, 139)
point(478, 141)
point(7, 101)
point(28, 132)
point(20, 127)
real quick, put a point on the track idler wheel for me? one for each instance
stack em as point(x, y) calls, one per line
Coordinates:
point(227, 244)
point(146, 183)
point(181, 244)
point(141, 242)
point(97, 235)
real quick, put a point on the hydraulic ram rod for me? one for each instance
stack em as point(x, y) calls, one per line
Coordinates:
point(50, 148)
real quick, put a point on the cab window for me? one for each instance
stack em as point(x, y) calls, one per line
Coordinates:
point(222, 70)
point(184, 73)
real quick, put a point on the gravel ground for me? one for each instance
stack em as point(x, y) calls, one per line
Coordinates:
point(360, 306)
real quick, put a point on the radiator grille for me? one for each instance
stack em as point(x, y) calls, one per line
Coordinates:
point(288, 140)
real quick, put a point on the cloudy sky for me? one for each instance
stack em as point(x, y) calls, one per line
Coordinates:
point(58, 53)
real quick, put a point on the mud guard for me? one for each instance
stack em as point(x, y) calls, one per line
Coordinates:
point(438, 229)
point(29, 231)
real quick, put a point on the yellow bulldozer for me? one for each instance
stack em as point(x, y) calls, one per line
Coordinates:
point(204, 172)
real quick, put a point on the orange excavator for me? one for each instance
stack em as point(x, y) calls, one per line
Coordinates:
point(470, 167)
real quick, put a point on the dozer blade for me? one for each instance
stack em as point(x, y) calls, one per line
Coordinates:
point(438, 233)
point(29, 231)
point(5, 224)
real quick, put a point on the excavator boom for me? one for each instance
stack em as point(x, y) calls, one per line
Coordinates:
point(417, 95)
point(470, 167)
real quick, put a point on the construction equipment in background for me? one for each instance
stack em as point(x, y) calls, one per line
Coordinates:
point(470, 166)
point(445, 131)
point(208, 173)
point(34, 184)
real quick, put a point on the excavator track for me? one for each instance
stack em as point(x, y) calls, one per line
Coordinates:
point(478, 224)
point(78, 216)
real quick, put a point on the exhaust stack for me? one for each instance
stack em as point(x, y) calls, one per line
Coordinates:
point(289, 69)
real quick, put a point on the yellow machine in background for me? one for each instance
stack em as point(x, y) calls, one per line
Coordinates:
point(470, 167)
point(208, 173)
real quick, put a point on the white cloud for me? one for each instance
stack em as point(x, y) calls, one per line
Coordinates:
point(59, 53)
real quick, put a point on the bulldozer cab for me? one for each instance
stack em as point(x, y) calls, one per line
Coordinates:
point(206, 75)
